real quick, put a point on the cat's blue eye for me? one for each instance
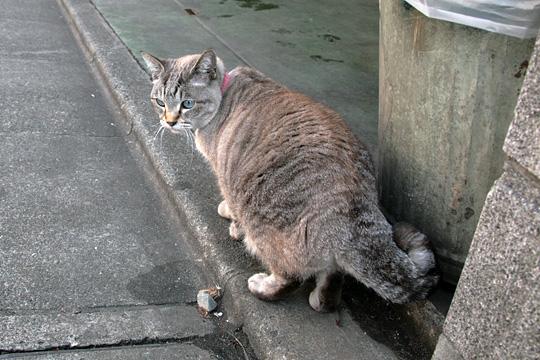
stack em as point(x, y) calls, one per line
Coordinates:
point(188, 104)
point(160, 103)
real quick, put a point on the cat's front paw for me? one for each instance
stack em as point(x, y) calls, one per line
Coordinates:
point(270, 287)
point(224, 211)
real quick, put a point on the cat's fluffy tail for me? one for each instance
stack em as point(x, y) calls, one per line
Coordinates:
point(399, 269)
point(416, 245)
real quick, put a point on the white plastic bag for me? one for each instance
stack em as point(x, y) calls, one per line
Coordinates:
point(519, 18)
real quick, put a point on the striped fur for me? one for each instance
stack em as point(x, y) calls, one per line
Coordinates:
point(297, 184)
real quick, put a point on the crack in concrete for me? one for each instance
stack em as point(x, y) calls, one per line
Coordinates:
point(56, 134)
point(92, 309)
point(130, 342)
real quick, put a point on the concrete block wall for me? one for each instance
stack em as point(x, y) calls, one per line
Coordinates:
point(495, 312)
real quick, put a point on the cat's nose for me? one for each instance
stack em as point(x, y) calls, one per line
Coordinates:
point(172, 118)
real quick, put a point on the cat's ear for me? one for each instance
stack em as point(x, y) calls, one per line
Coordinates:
point(205, 70)
point(154, 65)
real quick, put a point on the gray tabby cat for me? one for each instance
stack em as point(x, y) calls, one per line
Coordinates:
point(298, 186)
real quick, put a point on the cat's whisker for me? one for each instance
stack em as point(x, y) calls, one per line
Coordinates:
point(156, 134)
point(161, 141)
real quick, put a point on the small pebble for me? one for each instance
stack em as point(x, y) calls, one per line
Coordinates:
point(205, 301)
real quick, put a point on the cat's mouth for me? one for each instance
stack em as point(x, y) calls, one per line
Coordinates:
point(177, 128)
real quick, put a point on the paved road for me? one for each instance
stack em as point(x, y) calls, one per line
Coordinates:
point(90, 255)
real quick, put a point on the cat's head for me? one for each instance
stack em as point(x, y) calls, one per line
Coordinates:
point(187, 91)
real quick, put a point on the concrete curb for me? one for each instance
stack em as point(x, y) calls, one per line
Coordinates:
point(273, 328)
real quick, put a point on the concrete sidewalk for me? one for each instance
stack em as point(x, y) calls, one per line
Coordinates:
point(91, 255)
point(176, 225)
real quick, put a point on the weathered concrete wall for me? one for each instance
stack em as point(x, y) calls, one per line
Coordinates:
point(447, 93)
point(495, 313)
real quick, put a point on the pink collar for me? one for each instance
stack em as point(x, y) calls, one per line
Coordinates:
point(226, 82)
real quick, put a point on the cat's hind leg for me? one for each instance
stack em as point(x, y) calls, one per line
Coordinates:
point(271, 287)
point(235, 230)
point(327, 294)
